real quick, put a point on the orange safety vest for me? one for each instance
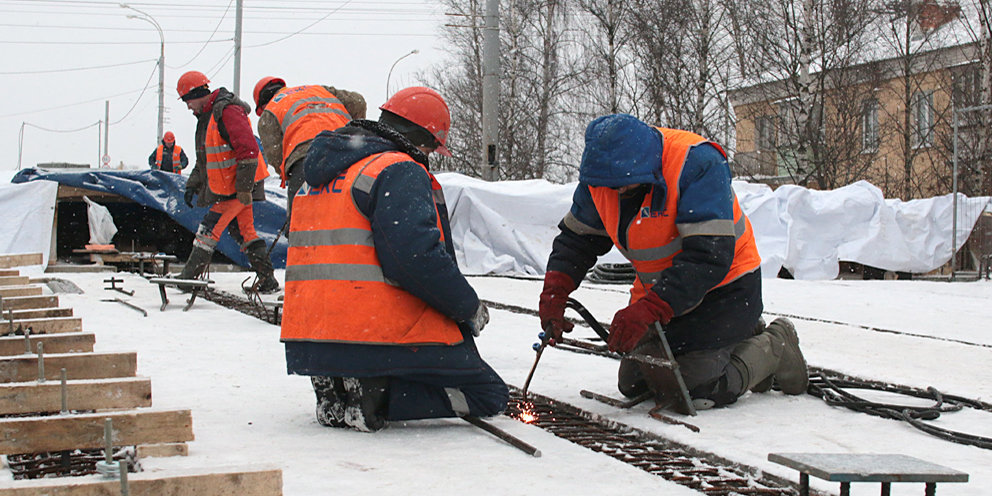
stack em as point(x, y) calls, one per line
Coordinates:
point(335, 288)
point(654, 240)
point(222, 165)
point(303, 112)
point(176, 151)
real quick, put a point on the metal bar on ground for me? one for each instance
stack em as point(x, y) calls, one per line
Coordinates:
point(505, 436)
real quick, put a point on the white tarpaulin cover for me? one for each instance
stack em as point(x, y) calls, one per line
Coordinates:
point(508, 227)
point(26, 215)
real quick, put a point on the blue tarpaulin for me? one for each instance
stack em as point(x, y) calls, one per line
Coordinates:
point(163, 191)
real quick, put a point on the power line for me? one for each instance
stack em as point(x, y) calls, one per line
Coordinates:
point(57, 107)
point(198, 52)
point(11, 73)
point(33, 42)
point(303, 29)
point(136, 100)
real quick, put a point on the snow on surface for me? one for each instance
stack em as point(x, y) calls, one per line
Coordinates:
point(229, 369)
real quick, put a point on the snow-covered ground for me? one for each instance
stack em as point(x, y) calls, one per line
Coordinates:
point(228, 368)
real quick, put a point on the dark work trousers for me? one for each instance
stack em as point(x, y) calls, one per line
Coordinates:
point(426, 396)
point(294, 181)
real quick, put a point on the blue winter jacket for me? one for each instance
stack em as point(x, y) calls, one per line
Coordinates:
point(404, 231)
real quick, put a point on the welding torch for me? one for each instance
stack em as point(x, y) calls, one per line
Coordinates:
point(546, 338)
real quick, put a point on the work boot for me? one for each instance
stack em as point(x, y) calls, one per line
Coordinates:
point(331, 399)
point(366, 403)
point(197, 262)
point(260, 263)
point(772, 356)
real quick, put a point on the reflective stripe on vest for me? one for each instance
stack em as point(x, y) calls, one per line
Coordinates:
point(222, 164)
point(654, 239)
point(176, 158)
point(303, 112)
point(335, 288)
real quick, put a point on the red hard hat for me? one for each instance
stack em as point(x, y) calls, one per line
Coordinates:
point(260, 85)
point(168, 137)
point(190, 81)
point(425, 108)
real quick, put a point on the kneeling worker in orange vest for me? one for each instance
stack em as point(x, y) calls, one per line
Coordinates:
point(168, 156)
point(290, 117)
point(376, 310)
point(228, 176)
point(663, 197)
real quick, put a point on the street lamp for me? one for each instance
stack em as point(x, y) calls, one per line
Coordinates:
point(390, 75)
point(161, 62)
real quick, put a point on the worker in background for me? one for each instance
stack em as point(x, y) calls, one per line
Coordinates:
point(663, 197)
point(168, 156)
point(228, 176)
point(376, 310)
point(290, 117)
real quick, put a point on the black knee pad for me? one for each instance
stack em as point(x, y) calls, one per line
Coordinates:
point(715, 391)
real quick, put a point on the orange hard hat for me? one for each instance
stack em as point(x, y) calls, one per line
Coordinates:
point(168, 137)
point(259, 86)
point(425, 108)
point(190, 81)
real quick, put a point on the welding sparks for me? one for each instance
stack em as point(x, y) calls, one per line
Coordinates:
point(527, 417)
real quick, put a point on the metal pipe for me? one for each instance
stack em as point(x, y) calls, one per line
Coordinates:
point(108, 439)
point(65, 394)
point(237, 47)
point(41, 362)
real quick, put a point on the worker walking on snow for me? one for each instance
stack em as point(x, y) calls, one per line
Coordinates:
point(376, 310)
point(228, 176)
point(663, 197)
point(290, 117)
point(168, 156)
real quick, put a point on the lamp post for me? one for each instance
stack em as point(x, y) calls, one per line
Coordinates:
point(161, 63)
point(390, 75)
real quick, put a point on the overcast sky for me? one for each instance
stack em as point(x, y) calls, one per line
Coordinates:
point(64, 58)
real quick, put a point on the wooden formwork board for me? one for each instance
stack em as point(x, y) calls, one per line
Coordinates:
point(96, 394)
point(28, 302)
point(9, 272)
point(20, 260)
point(27, 290)
point(78, 366)
point(70, 342)
point(13, 280)
point(240, 481)
point(163, 450)
point(47, 326)
point(85, 431)
point(40, 313)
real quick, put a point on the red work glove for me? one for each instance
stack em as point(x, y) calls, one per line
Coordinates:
point(557, 287)
point(630, 323)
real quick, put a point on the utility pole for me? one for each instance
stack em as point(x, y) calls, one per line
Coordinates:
point(161, 63)
point(237, 48)
point(490, 91)
point(106, 135)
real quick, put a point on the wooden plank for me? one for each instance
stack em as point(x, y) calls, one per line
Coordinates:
point(78, 366)
point(163, 450)
point(41, 313)
point(20, 260)
point(252, 480)
point(29, 290)
point(14, 280)
point(9, 272)
point(27, 302)
point(97, 394)
point(85, 431)
point(48, 326)
point(72, 342)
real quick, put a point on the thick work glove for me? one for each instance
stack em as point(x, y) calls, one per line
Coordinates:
point(188, 196)
point(557, 287)
point(244, 197)
point(631, 323)
point(479, 320)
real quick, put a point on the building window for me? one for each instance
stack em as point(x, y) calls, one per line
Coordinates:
point(922, 119)
point(967, 86)
point(869, 126)
point(766, 133)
